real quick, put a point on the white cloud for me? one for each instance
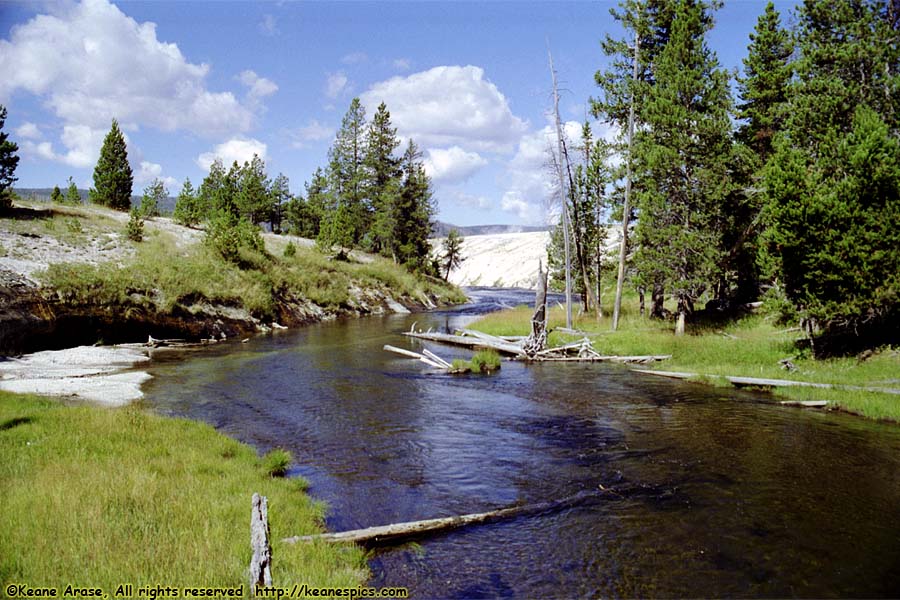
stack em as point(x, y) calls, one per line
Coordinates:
point(531, 193)
point(41, 150)
point(149, 171)
point(83, 145)
point(312, 132)
point(29, 131)
point(260, 87)
point(402, 64)
point(452, 165)
point(471, 201)
point(513, 202)
point(335, 84)
point(355, 58)
point(268, 26)
point(89, 63)
point(237, 149)
point(449, 106)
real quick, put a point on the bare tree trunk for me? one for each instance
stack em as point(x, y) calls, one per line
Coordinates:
point(261, 560)
point(537, 340)
point(623, 248)
point(641, 296)
point(562, 192)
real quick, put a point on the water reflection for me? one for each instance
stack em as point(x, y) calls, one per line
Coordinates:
point(720, 495)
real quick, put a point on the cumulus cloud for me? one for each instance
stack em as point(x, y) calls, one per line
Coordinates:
point(311, 132)
point(148, 171)
point(237, 149)
point(28, 131)
point(89, 62)
point(335, 84)
point(40, 150)
point(449, 106)
point(452, 165)
point(259, 87)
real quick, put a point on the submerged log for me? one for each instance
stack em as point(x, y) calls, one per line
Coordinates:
point(399, 531)
point(643, 359)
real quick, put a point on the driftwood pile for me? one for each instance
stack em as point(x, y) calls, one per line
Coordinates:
point(514, 347)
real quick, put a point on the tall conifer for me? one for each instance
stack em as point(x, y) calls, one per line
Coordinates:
point(112, 175)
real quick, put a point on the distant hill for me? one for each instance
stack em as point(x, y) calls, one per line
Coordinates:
point(43, 195)
point(441, 229)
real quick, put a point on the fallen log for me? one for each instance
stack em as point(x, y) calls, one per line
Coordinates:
point(398, 531)
point(762, 382)
point(611, 358)
point(410, 354)
point(487, 337)
point(467, 341)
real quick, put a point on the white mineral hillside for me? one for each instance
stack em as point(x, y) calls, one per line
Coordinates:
point(506, 259)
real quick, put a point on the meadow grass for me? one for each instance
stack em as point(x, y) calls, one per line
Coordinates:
point(97, 496)
point(751, 346)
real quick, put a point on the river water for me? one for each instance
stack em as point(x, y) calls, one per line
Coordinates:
point(713, 493)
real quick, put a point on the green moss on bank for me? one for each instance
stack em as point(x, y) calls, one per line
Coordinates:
point(748, 347)
point(96, 496)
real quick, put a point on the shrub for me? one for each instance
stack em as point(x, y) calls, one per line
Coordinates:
point(290, 250)
point(227, 234)
point(135, 228)
point(276, 462)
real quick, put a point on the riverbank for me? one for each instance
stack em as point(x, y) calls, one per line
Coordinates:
point(102, 497)
point(752, 346)
point(69, 276)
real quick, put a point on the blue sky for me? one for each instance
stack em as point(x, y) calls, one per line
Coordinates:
point(189, 81)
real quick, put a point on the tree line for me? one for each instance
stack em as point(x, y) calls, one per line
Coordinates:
point(792, 194)
point(367, 197)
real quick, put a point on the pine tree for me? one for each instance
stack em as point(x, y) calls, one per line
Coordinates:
point(833, 184)
point(9, 160)
point(216, 191)
point(414, 213)
point(112, 175)
point(73, 197)
point(684, 150)
point(451, 255)
point(279, 196)
point(188, 211)
point(304, 215)
point(764, 88)
point(154, 195)
point(347, 223)
point(56, 196)
point(382, 181)
point(252, 200)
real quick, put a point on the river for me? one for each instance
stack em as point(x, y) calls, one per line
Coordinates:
point(720, 494)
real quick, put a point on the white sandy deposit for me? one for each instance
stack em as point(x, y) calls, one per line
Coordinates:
point(98, 374)
point(506, 259)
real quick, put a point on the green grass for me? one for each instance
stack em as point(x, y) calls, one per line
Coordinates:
point(749, 347)
point(162, 275)
point(97, 496)
point(483, 361)
point(277, 461)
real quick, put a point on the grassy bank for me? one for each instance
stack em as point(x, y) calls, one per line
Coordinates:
point(750, 347)
point(171, 267)
point(94, 496)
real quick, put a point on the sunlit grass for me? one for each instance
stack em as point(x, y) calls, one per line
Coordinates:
point(750, 347)
point(105, 496)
